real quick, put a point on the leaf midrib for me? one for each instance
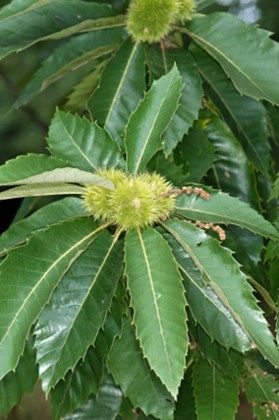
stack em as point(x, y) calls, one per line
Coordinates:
point(153, 125)
point(155, 303)
point(211, 282)
point(70, 328)
point(209, 45)
point(232, 115)
point(74, 143)
point(111, 108)
point(33, 6)
point(231, 219)
point(209, 300)
point(33, 290)
point(218, 290)
point(98, 27)
point(76, 63)
point(261, 388)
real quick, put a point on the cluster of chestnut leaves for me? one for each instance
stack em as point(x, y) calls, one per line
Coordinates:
point(164, 321)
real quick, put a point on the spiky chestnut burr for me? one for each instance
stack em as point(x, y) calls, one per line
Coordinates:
point(187, 9)
point(136, 201)
point(151, 20)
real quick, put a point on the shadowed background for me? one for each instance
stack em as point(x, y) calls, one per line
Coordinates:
point(23, 131)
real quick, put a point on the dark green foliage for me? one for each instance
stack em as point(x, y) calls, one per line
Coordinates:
point(169, 321)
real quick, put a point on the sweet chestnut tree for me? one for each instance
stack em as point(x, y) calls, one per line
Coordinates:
point(149, 290)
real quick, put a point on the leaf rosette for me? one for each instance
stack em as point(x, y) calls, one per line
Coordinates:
point(103, 280)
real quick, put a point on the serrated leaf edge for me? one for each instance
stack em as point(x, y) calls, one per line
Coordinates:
point(135, 326)
point(72, 368)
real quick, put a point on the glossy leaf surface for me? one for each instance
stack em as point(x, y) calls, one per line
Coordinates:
point(105, 406)
point(158, 301)
point(261, 390)
point(230, 362)
point(33, 271)
point(73, 391)
point(246, 53)
point(153, 398)
point(147, 124)
point(17, 233)
point(246, 117)
point(120, 89)
point(222, 208)
point(15, 384)
point(222, 272)
point(160, 62)
point(233, 172)
point(196, 154)
point(69, 57)
point(247, 249)
point(206, 305)
point(35, 190)
point(63, 175)
point(215, 394)
point(81, 143)
point(84, 296)
point(17, 171)
point(33, 17)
